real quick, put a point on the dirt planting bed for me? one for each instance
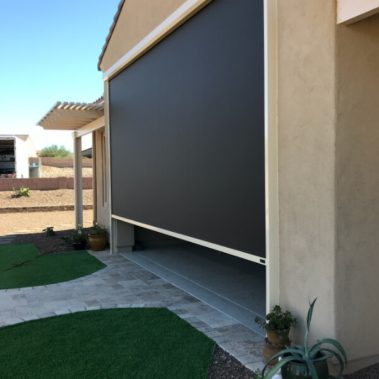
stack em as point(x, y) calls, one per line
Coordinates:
point(47, 245)
point(62, 197)
point(24, 222)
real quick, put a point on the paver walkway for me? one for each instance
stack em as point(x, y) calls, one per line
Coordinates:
point(123, 284)
point(6, 240)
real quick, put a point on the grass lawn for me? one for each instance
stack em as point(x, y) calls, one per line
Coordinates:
point(23, 266)
point(117, 343)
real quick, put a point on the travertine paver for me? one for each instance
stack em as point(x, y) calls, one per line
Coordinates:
point(124, 284)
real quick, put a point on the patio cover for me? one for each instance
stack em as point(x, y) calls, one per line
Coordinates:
point(72, 115)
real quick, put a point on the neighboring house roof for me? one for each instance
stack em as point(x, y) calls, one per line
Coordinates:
point(87, 153)
point(72, 115)
point(14, 135)
point(111, 30)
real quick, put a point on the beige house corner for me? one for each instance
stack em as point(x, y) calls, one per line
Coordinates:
point(322, 107)
point(328, 107)
point(321, 154)
point(84, 119)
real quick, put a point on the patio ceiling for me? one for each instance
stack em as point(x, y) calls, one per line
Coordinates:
point(72, 115)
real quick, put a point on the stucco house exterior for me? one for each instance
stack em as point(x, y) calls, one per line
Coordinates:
point(15, 151)
point(249, 129)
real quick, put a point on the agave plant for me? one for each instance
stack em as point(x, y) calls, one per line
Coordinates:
point(308, 356)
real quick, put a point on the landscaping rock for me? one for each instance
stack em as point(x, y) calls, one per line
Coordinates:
point(225, 366)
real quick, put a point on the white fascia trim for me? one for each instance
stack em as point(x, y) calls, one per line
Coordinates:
point(189, 8)
point(108, 168)
point(91, 127)
point(210, 245)
point(271, 155)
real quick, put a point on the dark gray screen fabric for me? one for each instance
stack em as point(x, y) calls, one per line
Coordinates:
point(187, 130)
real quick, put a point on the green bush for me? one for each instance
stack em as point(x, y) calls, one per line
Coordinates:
point(55, 151)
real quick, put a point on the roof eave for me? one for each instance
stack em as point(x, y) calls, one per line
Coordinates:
point(110, 33)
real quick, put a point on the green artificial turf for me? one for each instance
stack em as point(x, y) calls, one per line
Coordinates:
point(23, 266)
point(118, 343)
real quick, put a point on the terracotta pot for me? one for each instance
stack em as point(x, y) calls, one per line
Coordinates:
point(97, 242)
point(297, 370)
point(279, 338)
point(269, 351)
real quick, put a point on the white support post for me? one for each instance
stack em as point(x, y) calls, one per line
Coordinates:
point(108, 166)
point(78, 186)
point(94, 175)
point(122, 238)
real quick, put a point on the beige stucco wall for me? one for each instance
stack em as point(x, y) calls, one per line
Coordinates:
point(328, 112)
point(357, 191)
point(137, 19)
point(306, 140)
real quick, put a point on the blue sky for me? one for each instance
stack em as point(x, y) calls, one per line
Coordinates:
point(48, 52)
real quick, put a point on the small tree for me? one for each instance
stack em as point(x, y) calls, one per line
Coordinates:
point(55, 151)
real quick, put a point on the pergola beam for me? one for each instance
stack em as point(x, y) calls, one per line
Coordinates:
point(71, 115)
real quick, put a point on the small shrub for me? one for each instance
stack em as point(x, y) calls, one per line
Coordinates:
point(277, 319)
point(98, 230)
point(21, 192)
point(78, 239)
point(79, 235)
point(55, 152)
point(49, 231)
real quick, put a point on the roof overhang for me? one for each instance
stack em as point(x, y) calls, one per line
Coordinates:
point(72, 116)
point(111, 30)
point(350, 11)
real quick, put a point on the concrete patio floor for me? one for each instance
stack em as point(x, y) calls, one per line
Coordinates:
point(230, 284)
point(123, 284)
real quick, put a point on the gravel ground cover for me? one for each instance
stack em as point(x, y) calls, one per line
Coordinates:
point(371, 372)
point(43, 198)
point(225, 366)
point(35, 222)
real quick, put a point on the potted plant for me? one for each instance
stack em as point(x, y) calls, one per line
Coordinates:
point(97, 238)
point(305, 361)
point(79, 239)
point(277, 325)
